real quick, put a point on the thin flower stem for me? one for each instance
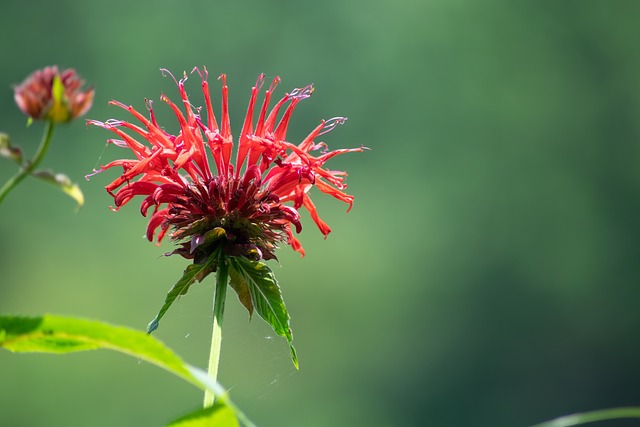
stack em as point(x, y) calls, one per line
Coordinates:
point(222, 277)
point(31, 165)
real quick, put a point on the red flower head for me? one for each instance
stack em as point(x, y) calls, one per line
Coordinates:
point(209, 202)
point(48, 94)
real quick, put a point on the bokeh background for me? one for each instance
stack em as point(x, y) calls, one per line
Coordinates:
point(487, 275)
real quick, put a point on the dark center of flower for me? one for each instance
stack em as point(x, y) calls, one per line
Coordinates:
point(236, 216)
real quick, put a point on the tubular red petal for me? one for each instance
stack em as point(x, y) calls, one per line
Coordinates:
point(327, 189)
point(247, 127)
point(225, 130)
point(323, 226)
point(295, 243)
point(157, 219)
point(265, 106)
point(273, 115)
point(296, 96)
point(281, 131)
point(211, 118)
point(252, 173)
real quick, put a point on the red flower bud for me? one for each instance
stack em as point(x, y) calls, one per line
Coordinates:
point(48, 94)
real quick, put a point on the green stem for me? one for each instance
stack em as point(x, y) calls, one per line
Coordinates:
point(31, 165)
point(590, 417)
point(222, 277)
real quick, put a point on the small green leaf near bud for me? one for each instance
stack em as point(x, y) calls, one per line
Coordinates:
point(63, 183)
point(8, 151)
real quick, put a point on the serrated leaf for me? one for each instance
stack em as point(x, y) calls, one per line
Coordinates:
point(9, 151)
point(241, 287)
point(192, 273)
point(63, 183)
point(266, 297)
point(218, 415)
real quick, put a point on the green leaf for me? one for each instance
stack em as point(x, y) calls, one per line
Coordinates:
point(241, 287)
point(221, 395)
point(593, 416)
point(60, 335)
point(218, 415)
point(192, 273)
point(63, 183)
point(9, 151)
point(266, 296)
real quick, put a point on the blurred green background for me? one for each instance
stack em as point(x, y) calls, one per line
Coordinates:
point(486, 276)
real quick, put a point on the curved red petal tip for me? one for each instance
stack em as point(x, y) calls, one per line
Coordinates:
point(156, 221)
point(350, 205)
point(274, 83)
point(295, 243)
point(259, 82)
point(253, 172)
point(161, 234)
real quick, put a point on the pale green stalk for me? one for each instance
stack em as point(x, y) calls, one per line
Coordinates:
point(222, 277)
point(31, 165)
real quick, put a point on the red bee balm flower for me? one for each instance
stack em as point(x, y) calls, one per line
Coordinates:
point(209, 202)
point(226, 216)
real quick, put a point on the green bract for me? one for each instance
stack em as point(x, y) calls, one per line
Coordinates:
point(253, 281)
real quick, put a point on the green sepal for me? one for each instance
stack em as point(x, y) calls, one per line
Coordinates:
point(57, 90)
point(266, 297)
point(63, 183)
point(9, 151)
point(192, 273)
point(218, 415)
point(59, 111)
